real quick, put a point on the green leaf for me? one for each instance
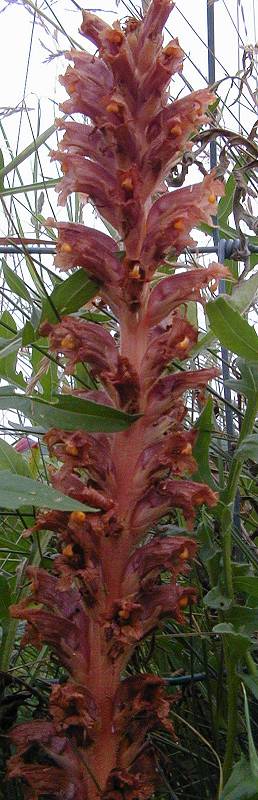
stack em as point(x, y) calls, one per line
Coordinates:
point(243, 618)
point(242, 785)
point(244, 294)
point(28, 334)
point(202, 445)
point(12, 346)
point(30, 187)
point(243, 782)
point(251, 683)
point(8, 331)
point(239, 643)
point(248, 383)
point(69, 296)
point(69, 413)
point(11, 460)
point(232, 330)
point(1, 168)
point(248, 448)
point(226, 203)
point(216, 599)
point(7, 325)
point(241, 298)
point(205, 341)
point(17, 491)
point(7, 545)
point(15, 283)
point(5, 599)
point(247, 584)
point(72, 413)
point(32, 148)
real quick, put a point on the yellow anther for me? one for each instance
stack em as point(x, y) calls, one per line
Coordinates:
point(112, 107)
point(71, 449)
point(176, 130)
point(185, 554)
point(212, 198)
point(115, 36)
point(66, 248)
point(68, 342)
point(124, 614)
point(179, 225)
point(77, 516)
point(127, 184)
point(72, 88)
point(170, 50)
point(183, 602)
point(136, 271)
point(184, 343)
point(187, 451)
point(68, 551)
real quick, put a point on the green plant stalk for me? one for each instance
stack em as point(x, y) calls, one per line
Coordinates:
point(7, 646)
point(250, 663)
point(232, 694)
point(227, 498)
point(229, 493)
point(235, 470)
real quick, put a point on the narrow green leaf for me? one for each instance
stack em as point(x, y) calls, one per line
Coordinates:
point(253, 757)
point(251, 683)
point(248, 383)
point(69, 413)
point(201, 448)
point(72, 413)
point(12, 346)
point(243, 618)
point(241, 298)
point(242, 785)
point(11, 460)
point(17, 491)
point(30, 187)
point(226, 203)
point(205, 341)
point(69, 296)
point(15, 283)
point(1, 168)
point(28, 334)
point(247, 584)
point(244, 294)
point(8, 359)
point(248, 448)
point(5, 599)
point(239, 643)
point(232, 330)
point(27, 152)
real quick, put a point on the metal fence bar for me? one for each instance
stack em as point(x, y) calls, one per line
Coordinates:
point(231, 247)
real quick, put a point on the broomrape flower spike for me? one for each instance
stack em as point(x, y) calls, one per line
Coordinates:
point(104, 594)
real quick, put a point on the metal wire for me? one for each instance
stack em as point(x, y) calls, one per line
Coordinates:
point(231, 247)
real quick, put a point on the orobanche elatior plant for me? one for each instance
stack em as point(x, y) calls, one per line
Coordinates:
point(105, 593)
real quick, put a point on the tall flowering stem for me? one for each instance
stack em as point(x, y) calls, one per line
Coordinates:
point(105, 593)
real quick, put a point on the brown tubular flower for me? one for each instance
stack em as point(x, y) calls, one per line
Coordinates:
point(106, 591)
